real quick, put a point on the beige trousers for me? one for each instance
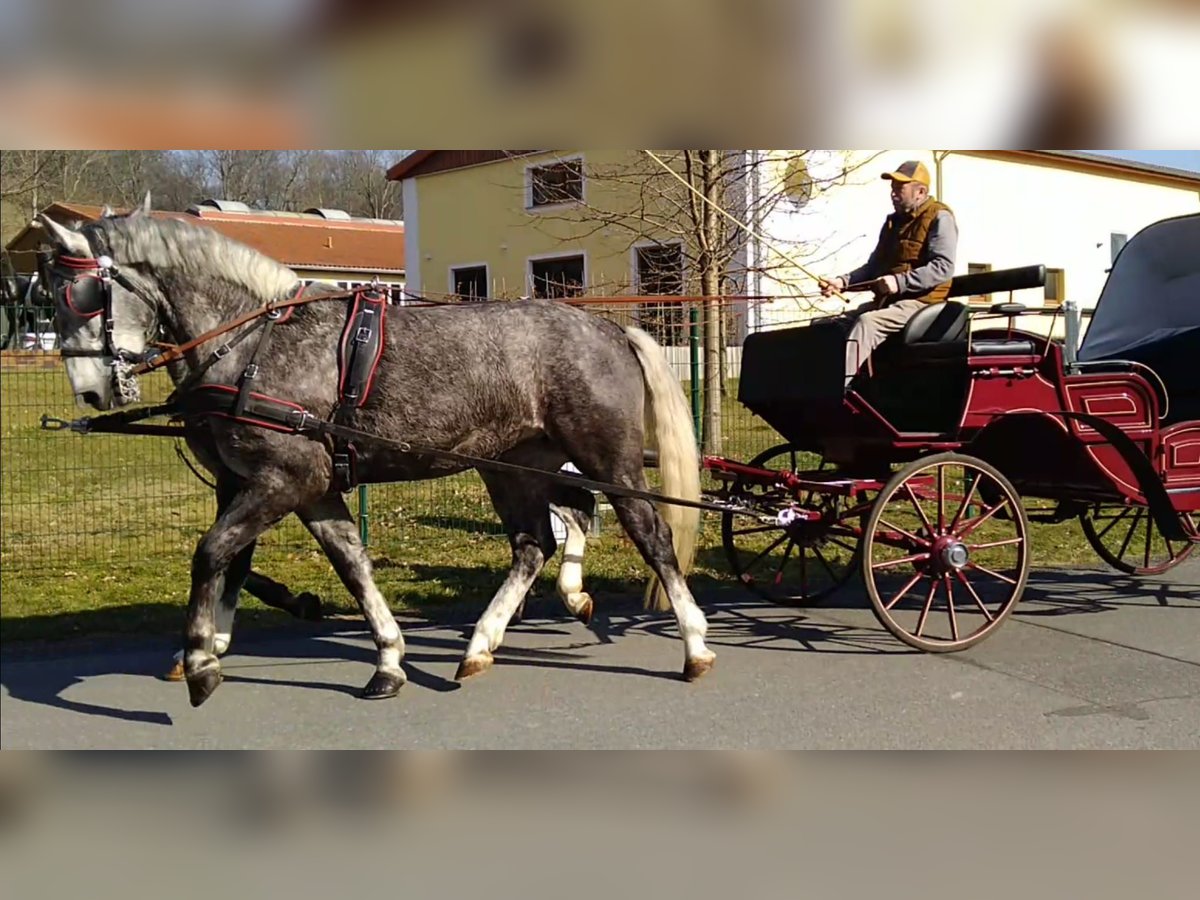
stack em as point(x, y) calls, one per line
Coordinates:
point(870, 328)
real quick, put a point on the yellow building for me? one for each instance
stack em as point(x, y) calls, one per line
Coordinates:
point(511, 223)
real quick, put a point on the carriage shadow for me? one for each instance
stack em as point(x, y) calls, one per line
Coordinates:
point(1053, 593)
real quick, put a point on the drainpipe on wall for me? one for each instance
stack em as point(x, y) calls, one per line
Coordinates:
point(938, 156)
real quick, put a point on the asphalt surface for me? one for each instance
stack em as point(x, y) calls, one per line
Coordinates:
point(1090, 659)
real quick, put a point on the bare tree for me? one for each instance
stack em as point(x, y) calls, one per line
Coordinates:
point(690, 201)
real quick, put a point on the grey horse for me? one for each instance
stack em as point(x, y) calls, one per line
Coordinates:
point(532, 383)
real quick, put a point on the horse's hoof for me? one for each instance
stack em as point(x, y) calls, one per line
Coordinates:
point(584, 613)
point(202, 684)
point(308, 607)
point(694, 668)
point(475, 665)
point(176, 673)
point(383, 685)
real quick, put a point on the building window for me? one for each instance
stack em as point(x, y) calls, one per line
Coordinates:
point(560, 182)
point(1116, 241)
point(557, 278)
point(1056, 286)
point(660, 271)
point(977, 269)
point(469, 282)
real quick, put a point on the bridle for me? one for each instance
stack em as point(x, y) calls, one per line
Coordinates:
point(88, 293)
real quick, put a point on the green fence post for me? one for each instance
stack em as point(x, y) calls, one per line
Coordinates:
point(363, 531)
point(694, 352)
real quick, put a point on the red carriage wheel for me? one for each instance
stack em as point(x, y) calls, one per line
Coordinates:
point(945, 552)
point(800, 563)
point(1127, 539)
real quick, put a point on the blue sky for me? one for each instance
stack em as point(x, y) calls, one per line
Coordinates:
point(1176, 159)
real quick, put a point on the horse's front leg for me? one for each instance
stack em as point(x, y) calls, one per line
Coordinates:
point(330, 522)
point(250, 512)
point(232, 581)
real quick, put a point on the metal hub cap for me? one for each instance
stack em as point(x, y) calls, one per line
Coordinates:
point(955, 555)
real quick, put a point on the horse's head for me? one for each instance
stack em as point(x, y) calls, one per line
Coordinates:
point(105, 312)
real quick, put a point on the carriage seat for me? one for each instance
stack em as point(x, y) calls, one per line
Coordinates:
point(939, 331)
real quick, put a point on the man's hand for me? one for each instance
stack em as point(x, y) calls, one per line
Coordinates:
point(885, 286)
point(829, 287)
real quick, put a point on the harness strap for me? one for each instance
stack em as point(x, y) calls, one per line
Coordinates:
point(291, 418)
point(251, 371)
point(359, 351)
point(177, 352)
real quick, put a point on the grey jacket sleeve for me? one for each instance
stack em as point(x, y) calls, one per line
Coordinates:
point(872, 268)
point(943, 245)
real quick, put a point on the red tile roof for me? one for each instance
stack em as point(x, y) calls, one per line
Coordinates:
point(298, 241)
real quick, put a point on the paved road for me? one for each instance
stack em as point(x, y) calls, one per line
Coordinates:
point(1090, 660)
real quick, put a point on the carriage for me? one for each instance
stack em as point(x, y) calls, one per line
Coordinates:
point(916, 474)
point(925, 473)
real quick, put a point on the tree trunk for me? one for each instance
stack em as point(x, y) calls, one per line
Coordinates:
point(710, 280)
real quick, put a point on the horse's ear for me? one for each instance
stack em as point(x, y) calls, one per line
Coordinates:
point(71, 241)
point(142, 209)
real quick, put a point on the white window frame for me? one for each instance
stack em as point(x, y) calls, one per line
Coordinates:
point(634, 269)
point(565, 204)
point(568, 254)
point(487, 276)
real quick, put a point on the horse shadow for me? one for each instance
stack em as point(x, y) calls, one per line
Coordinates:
point(437, 634)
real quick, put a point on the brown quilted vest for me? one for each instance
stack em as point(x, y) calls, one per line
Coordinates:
point(904, 244)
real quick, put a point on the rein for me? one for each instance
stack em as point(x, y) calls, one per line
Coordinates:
point(175, 352)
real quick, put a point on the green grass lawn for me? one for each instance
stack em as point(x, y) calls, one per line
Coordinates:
point(98, 530)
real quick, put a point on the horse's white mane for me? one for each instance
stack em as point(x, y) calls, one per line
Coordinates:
point(198, 251)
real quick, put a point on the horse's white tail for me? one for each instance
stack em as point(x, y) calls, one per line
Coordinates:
point(669, 428)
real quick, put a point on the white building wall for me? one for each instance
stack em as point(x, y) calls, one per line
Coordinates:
point(1009, 214)
point(1016, 214)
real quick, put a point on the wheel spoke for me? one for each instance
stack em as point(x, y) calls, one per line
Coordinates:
point(889, 563)
point(974, 596)
point(783, 562)
point(756, 529)
point(972, 524)
point(1006, 543)
point(904, 590)
point(1004, 578)
point(1137, 517)
point(821, 556)
point(850, 547)
point(917, 506)
point(1149, 534)
point(926, 608)
point(962, 507)
point(776, 543)
point(941, 498)
point(908, 534)
point(950, 609)
point(1112, 522)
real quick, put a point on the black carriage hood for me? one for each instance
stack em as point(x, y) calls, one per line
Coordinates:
point(1152, 295)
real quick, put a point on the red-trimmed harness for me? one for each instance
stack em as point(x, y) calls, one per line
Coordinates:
point(88, 293)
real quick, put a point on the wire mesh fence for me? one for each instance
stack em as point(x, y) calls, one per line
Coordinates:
point(130, 506)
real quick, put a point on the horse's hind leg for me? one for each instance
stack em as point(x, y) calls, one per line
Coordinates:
point(525, 510)
point(330, 522)
point(304, 605)
point(575, 507)
point(652, 537)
